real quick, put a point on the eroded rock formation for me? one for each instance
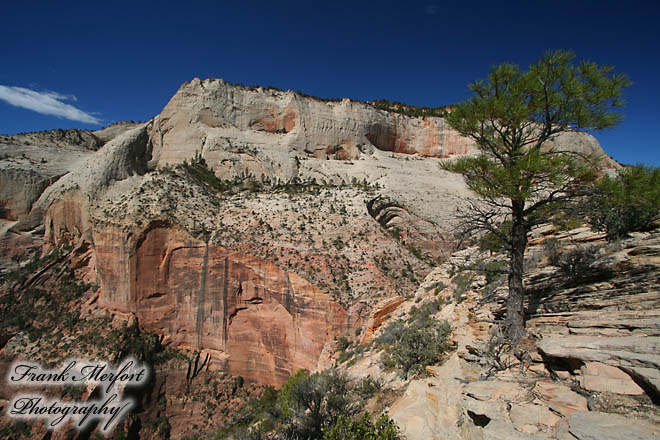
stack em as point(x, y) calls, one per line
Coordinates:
point(256, 281)
point(220, 120)
point(264, 322)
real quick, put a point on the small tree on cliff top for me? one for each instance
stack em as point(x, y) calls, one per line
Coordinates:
point(517, 179)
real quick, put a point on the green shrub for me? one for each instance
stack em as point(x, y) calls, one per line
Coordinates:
point(307, 407)
point(463, 281)
point(422, 316)
point(416, 347)
point(552, 250)
point(368, 387)
point(18, 429)
point(626, 203)
point(316, 401)
point(436, 287)
point(362, 429)
point(575, 262)
point(494, 242)
point(414, 344)
point(343, 345)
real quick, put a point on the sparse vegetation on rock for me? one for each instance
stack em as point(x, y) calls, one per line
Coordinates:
point(322, 405)
point(626, 203)
point(411, 345)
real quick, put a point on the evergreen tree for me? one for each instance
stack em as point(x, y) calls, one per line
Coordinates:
point(519, 180)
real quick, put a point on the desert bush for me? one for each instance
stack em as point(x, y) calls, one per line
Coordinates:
point(368, 387)
point(552, 250)
point(363, 428)
point(494, 242)
point(576, 261)
point(463, 281)
point(416, 347)
point(315, 402)
point(412, 345)
point(625, 203)
point(308, 406)
point(436, 287)
point(422, 315)
point(573, 262)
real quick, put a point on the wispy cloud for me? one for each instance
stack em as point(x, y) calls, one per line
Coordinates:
point(47, 103)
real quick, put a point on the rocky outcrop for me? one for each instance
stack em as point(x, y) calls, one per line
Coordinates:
point(114, 130)
point(30, 162)
point(597, 376)
point(19, 189)
point(589, 425)
point(378, 315)
point(219, 120)
point(263, 322)
point(608, 313)
point(636, 355)
point(251, 129)
point(160, 255)
point(587, 370)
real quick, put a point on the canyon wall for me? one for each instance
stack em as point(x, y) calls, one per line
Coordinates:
point(265, 323)
point(254, 292)
point(218, 119)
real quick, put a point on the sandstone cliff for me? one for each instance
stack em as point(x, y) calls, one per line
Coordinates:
point(363, 244)
point(293, 221)
point(589, 368)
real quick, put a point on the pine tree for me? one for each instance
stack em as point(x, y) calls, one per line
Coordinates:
point(519, 180)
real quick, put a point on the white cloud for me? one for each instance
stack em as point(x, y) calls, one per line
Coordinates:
point(47, 103)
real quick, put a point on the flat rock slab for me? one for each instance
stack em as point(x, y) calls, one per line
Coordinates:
point(651, 250)
point(635, 355)
point(497, 430)
point(530, 414)
point(493, 390)
point(587, 425)
point(560, 398)
point(430, 408)
point(605, 378)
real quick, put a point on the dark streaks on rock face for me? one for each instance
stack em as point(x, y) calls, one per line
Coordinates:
point(200, 298)
point(206, 297)
point(287, 298)
point(225, 302)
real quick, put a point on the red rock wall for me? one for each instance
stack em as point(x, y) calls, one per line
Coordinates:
point(268, 322)
point(429, 137)
point(66, 219)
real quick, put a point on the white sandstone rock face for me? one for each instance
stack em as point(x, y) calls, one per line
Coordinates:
point(240, 129)
point(219, 120)
point(588, 425)
point(280, 134)
point(429, 407)
point(634, 355)
point(602, 377)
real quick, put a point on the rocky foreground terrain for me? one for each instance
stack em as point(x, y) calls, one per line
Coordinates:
point(590, 370)
point(236, 237)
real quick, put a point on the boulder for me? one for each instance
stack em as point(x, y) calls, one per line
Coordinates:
point(560, 398)
point(587, 425)
point(637, 356)
point(597, 376)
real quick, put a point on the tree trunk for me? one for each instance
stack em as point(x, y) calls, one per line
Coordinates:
point(515, 317)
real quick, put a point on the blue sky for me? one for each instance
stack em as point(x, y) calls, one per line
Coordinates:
point(93, 64)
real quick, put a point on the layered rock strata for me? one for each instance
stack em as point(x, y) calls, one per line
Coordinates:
point(252, 291)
